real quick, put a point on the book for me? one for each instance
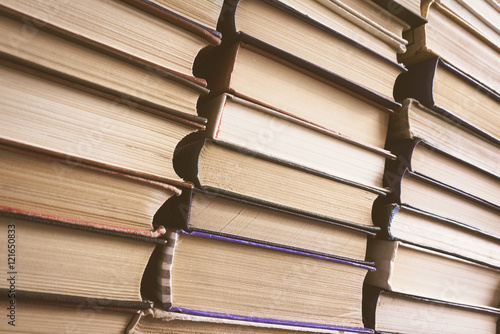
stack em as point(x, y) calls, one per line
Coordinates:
point(151, 36)
point(46, 255)
point(481, 15)
point(218, 166)
point(365, 22)
point(283, 28)
point(159, 321)
point(442, 87)
point(50, 113)
point(425, 159)
point(215, 213)
point(267, 131)
point(128, 81)
point(414, 226)
point(389, 312)
point(428, 195)
point(447, 36)
point(205, 13)
point(415, 270)
point(51, 313)
point(417, 122)
point(70, 188)
point(248, 71)
point(204, 274)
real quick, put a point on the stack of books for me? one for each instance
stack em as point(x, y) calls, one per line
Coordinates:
point(273, 236)
point(96, 94)
point(437, 256)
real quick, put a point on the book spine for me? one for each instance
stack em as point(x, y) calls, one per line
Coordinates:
point(186, 156)
point(382, 216)
point(417, 83)
point(163, 270)
point(175, 212)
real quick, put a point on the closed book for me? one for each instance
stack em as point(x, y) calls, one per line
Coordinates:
point(205, 274)
point(414, 122)
point(49, 255)
point(69, 188)
point(434, 197)
point(254, 127)
point(159, 321)
point(430, 161)
point(123, 78)
point(392, 313)
point(448, 36)
point(44, 111)
point(213, 212)
point(455, 94)
point(406, 10)
point(256, 72)
point(53, 313)
point(215, 165)
point(278, 25)
point(416, 270)
point(159, 37)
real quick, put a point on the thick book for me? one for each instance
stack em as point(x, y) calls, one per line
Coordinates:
point(430, 161)
point(414, 226)
point(46, 313)
point(47, 112)
point(219, 166)
point(365, 22)
point(254, 127)
point(448, 36)
point(70, 188)
point(418, 191)
point(284, 28)
point(210, 275)
point(216, 213)
point(400, 313)
point(251, 70)
point(128, 81)
point(159, 321)
point(47, 255)
point(442, 87)
point(412, 269)
point(417, 122)
point(204, 13)
point(149, 35)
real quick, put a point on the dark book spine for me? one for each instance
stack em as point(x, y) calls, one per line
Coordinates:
point(175, 212)
point(186, 155)
point(369, 305)
point(382, 215)
point(417, 83)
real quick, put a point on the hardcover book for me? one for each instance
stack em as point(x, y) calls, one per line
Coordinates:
point(159, 321)
point(267, 131)
point(417, 122)
point(419, 271)
point(261, 75)
point(434, 197)
point(76, 260)
point(69, 188)
point(391, 313)
point(211, 164)
point(127, 81)
point(46, 313)
point(414, 226)
point(284, 28)
point(204, 274)
point(46, 112)
point(442, 87)
point(448, 36)
point(159, 37)
point(216, 213)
